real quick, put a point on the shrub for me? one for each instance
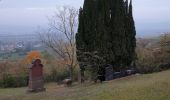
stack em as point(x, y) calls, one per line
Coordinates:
point(56, 76)
point(147, 61)
point(21, 81)
point(10, 81)
point(1, 84)
point(155, 57)
point(164, 66)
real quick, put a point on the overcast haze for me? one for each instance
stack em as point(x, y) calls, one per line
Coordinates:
point(152, 17)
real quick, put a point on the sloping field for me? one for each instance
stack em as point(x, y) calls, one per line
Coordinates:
point(139, 87)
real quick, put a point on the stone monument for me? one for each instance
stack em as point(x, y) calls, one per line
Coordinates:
point(36, 83)
point(109, 73)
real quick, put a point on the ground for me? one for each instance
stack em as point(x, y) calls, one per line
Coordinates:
point(138, 87)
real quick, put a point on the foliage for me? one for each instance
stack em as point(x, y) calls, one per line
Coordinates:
point(8, 81)
point(32, 56)
point(13, 67)
point(56, 75)
point(12, 81)
point(18, 70)
point(165, 47)
point(57, 72)
point(91, 62)
point(107, 27)
point(153, 58)
point(1, 84)
point(147, 62)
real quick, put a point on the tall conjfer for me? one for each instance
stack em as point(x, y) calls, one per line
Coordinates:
point(107, 31)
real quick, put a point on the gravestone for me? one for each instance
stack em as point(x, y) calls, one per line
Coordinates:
point(36, 83)
point(109, 73)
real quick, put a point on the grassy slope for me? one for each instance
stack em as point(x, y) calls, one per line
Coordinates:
point(142, 87)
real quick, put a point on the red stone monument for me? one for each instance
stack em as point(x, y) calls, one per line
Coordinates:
point(36, 83)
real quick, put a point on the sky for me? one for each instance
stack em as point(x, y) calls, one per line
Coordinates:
point(152, 17)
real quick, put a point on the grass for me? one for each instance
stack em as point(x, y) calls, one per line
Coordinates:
point(139, 87)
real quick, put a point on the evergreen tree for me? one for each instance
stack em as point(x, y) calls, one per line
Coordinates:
point(132, 34)
point(107, 27)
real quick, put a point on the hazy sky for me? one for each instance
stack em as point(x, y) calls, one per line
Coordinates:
point(152, 17)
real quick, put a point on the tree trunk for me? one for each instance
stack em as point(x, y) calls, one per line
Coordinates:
point(71, 72)
point(81, 76)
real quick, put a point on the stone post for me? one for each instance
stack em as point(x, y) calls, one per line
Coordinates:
point(36, 83)
point(109, 73)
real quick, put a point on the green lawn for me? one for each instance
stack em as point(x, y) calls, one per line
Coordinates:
point(140, 87)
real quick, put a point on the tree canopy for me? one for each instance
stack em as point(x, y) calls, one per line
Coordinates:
point(107, 27)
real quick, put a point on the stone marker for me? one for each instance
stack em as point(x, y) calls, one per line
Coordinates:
point(36, 83)
point(109, 73)
point(67, 82)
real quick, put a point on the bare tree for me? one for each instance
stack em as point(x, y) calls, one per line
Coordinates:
point(60, 36)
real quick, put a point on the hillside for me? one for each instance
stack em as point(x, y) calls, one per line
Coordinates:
point(18, 37)
point(139, 87)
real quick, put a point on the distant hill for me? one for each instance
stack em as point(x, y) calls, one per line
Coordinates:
point(148, 42)
point(18, 37)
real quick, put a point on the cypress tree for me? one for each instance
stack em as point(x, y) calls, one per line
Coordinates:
point(132, 32)
point(79, 37)
point(118, 34)
point(107, 27)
